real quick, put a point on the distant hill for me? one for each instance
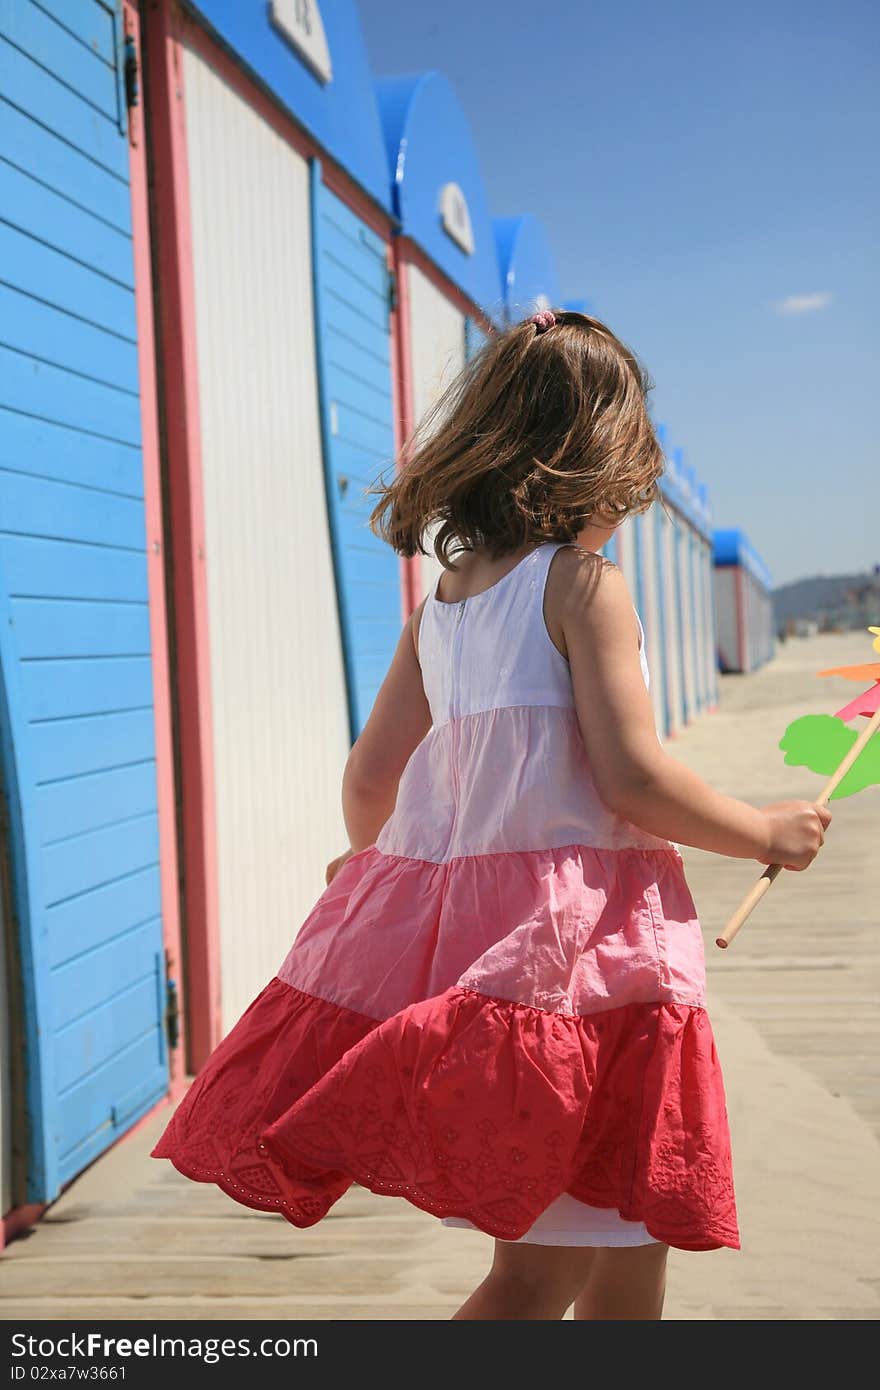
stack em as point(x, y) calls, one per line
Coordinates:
point(834, 600)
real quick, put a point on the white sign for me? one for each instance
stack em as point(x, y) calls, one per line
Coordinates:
point(301, 24)
point(455, 217)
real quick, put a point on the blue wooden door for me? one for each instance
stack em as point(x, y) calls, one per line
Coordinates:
point(352, 309)
point(76, 714)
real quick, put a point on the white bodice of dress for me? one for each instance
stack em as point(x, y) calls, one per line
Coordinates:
point(504, 766)
point(493, 650)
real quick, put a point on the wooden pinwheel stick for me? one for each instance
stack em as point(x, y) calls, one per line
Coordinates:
point(755, 894)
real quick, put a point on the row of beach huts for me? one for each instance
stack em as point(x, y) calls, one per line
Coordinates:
point(237, 269)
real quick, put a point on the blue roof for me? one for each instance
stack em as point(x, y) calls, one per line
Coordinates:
point(528, 275)
point(430, 148)
point(732, 547)
point(340, 113)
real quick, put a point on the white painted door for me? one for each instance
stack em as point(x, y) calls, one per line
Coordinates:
point(437, 331)
point(280, 720)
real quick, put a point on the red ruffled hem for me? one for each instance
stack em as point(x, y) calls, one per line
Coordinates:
point(466, 1106)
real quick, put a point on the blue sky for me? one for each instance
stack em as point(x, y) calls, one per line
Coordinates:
point(707, 174)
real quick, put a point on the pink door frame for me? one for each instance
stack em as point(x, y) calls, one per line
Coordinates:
point(183, 465)
point(152, 469)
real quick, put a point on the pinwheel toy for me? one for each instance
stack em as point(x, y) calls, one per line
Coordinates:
point(823, 743)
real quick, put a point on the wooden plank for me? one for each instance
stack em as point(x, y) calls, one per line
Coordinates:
point(57, 628)
point(82, 71)
point(344, 367)
point(38, 567)
point(53, 278)
point(38, 330)
point(362, 467)
point(41, 96)
point(82, 923)
point(55, 689)
point(47, 155)
point(84, 1123)
point(95, 800)
point(29, 444)
point(91, 23)
point(363, 433)
point(313, 1277)
point(41, 506)
point(339, 217)
point(38, 210)
point(347, 245)
point(251, 1235)
point(53, 393)
point(364, 287)
point(79, 862)
point(93, 978)
point(74, 1160)
point(356, 329)
point(71, 747)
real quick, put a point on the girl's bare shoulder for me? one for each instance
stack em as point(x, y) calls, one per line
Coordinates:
point(584, 591)
point(579, 566)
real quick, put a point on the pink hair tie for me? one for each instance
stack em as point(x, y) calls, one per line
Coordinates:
point(544, 320)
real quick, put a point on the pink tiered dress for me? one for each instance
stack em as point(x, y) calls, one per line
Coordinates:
point(496, 1011)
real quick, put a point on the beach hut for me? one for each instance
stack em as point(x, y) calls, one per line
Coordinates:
point(278, 328)
point(637, 550)
point(666, 556)
point(688, 539)
point(445, 261)
point(682, 546)
point(88, 876)
point(743, 604)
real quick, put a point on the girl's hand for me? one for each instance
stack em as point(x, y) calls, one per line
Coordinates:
point(795, 833)
point(335, 865)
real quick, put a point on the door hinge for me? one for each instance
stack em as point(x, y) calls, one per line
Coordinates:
point(392, 291)
point(131, 72)
point(172, 1006)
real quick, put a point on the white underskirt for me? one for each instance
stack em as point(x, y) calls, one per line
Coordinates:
point(566, 1221)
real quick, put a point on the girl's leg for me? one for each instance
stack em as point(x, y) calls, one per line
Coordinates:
point(529, 1282)
point(624, 1282)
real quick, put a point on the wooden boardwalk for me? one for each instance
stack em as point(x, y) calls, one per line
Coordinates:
point(794, 1008)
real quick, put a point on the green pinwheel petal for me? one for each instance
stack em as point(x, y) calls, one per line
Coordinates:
point(821, 742)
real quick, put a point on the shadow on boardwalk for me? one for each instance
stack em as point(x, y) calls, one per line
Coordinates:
point(794, 1008)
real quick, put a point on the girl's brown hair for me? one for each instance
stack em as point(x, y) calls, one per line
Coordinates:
point(541, 432)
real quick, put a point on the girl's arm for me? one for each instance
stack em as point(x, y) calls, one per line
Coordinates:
point(633, 774)
point(399, 720)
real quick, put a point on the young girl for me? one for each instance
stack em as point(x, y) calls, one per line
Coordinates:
point(496, 1007)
